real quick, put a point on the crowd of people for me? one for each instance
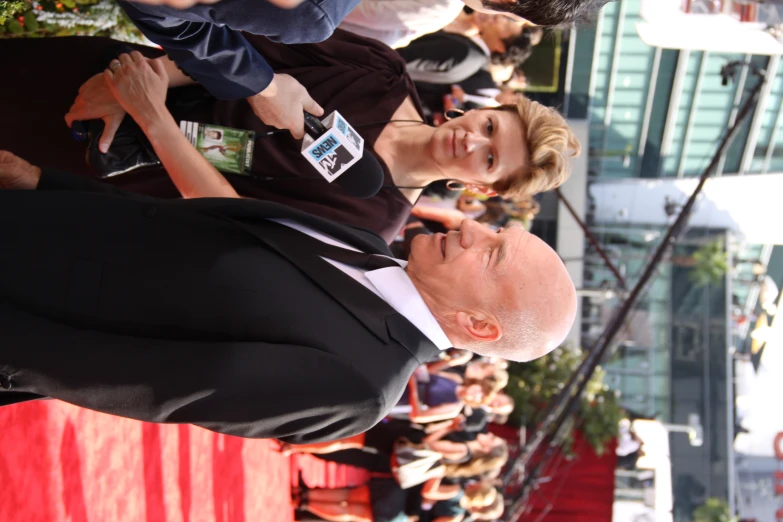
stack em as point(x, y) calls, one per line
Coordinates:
point(432, 458)
point(145, 282)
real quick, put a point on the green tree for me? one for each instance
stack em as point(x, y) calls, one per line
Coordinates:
point(709, 264)
point(713, 510)
point(535, 384)
point(39, 18)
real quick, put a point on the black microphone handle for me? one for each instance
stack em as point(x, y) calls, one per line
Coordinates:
point(313, 126)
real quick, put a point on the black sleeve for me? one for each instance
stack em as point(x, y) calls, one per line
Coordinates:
point(248, 389)
point(52, 179)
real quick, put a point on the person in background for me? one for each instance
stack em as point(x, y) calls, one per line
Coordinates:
point(477, 53)
point(398, 22)
point(383, 500)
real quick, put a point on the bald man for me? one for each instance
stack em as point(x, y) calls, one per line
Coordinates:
point(247, 317)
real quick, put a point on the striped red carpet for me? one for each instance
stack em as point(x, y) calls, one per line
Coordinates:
point(62, 463)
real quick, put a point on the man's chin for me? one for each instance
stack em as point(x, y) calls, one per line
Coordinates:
point(417, 246)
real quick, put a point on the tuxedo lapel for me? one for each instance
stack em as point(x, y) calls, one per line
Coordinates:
point(364, 305)
point(405, 333)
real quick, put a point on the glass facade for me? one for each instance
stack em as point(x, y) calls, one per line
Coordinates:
point(657, 112)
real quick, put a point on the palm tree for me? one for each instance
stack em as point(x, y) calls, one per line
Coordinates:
point(713, 510)
point(710, 264)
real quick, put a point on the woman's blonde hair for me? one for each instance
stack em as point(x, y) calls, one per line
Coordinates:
point(492, 512)
point(550, 145)
point(484, 495)
point(480, 463)
point(490, 386)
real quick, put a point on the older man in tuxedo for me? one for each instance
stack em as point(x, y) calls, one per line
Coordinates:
point(247, 317)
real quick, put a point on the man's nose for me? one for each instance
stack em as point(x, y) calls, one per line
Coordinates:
point(474, 142)
point(470, 231)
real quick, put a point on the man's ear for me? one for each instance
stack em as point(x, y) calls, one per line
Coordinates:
point(481, 189)
point(479, 327)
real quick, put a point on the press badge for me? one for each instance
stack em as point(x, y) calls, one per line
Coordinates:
point(228, 150)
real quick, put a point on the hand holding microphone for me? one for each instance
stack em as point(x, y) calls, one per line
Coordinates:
point(280, 105)
point(337, 152)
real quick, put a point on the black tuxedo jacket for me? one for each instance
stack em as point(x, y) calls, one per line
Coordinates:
point(182, 311)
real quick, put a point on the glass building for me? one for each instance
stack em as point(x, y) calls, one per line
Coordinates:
point(658, 113)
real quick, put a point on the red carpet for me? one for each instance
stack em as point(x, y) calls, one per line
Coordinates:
point(62, 463)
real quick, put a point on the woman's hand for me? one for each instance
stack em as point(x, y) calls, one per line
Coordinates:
point(95, 101)
point(16, 173)
point(139, 86)
point(458, 424)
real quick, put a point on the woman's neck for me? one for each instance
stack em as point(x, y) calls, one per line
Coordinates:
point(404, 149)
point(464, 24)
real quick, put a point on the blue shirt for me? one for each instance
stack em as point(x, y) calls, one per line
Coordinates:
point(206, 42)
point(440, 390)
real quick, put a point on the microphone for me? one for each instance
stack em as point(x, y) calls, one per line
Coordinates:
point(337, 152)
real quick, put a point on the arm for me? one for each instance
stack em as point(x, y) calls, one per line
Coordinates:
point(140, 87)
point(236, 71)
point(321, 396)
point(433, 490)
point(18, 174)
point(438, 413)
point(193, 175)
point(461, 357)
point(229, 67)
point(442, 430)
point(177, 78)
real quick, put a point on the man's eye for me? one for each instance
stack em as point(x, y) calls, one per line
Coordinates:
point(490, 160)
point(490, 127)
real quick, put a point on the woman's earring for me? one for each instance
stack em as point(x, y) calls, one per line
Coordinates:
point(456, 186)
point(450, 114)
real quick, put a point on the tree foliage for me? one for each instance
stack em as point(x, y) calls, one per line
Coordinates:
point(713, 510)
point(39, 18)
point(535, 384)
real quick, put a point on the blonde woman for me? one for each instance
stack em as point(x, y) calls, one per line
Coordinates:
point(458, 459)
point(515, 149)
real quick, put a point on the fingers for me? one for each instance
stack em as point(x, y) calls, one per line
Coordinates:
point(296, 127)
point(109, 76)
point(125, 59)
point(111, 124)
point(8, 157)
point(159, 68)
point(137, 57)
point(88, 83)
point(81, 110)
point(312, 107)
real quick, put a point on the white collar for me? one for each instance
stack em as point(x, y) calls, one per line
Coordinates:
point(397, 289)
point(481, 43)
point(392, 285)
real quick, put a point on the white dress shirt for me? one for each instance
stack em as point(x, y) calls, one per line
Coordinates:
point(398, 22)
point(390, 284)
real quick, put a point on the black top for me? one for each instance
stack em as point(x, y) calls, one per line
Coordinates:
point(361, 78)
point(476, 423)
